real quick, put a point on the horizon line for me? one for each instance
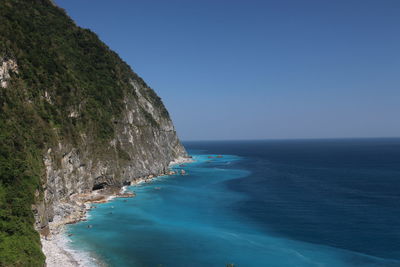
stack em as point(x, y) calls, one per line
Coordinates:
point(289, 139)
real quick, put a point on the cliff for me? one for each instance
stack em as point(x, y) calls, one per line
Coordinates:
point(73, 118)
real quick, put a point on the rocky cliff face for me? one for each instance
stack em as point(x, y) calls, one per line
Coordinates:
point(144, 144)
point(74, 118)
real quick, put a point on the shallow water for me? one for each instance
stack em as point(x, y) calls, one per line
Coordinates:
point(264, 203)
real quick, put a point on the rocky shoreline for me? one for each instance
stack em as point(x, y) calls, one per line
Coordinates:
point(54, 240)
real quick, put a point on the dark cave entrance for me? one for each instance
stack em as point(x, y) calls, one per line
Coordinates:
point(99, 186)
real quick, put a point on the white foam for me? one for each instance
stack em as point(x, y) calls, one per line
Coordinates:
point(59, 252)
point(180, 160)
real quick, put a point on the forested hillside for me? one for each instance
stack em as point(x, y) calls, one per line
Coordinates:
point(59, 84)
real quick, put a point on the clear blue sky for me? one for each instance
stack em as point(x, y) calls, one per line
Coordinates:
point(260, 69)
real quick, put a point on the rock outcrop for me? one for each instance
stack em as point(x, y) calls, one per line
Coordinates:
point(138, 149)
point(7, 66)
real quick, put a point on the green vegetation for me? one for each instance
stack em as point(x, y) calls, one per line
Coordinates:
point(20, 176)
point(62, 69)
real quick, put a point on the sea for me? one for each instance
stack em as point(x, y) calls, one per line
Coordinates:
point(331, 202)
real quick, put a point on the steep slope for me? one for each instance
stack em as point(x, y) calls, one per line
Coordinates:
point(73, 117)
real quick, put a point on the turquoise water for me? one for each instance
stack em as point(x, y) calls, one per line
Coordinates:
point(210, 217)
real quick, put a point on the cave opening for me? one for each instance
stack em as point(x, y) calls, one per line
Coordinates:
point(99, 186)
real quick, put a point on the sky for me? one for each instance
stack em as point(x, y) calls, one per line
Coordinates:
point(249, 69)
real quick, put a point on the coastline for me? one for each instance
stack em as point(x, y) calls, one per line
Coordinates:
point(55, 242)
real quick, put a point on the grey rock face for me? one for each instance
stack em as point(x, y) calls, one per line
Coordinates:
point(6, 66)
point(144, 144)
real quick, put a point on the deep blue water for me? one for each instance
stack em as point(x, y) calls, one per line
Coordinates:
point(264, 203)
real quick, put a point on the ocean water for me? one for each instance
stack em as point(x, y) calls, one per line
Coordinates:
point(264, 203)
